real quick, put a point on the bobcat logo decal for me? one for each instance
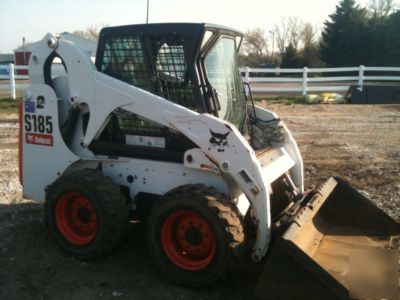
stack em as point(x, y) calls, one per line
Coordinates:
point(219, 139)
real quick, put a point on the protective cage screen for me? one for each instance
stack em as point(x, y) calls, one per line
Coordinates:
point(155, 63)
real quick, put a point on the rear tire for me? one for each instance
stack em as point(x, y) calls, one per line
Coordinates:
point(86, 213)
point(192, 233)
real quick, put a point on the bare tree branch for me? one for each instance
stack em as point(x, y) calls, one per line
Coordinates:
point(288, 31)
point(255, 41)
point(307, 34)
point(382, 7)
point(91, 32)
point(295, 25)
point(281, 32)
point(254, 50)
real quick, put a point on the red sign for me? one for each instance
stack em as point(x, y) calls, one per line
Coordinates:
point(39, 139)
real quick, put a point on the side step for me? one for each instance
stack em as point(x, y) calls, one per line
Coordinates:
point(312, 259)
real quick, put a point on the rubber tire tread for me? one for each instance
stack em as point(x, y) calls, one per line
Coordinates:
point(203, 198)
point(111, 212)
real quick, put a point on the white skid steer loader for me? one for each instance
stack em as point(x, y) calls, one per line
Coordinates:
point(160, 127)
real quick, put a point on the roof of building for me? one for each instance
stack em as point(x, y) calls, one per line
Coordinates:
point(6, 58)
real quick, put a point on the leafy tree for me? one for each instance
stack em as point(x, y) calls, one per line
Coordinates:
point(290, 58)
point(377, 27)
point(344, 40)
point(391, 45)
point(310, 56)
point(383, 31)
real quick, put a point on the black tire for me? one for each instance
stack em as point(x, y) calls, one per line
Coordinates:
point(95, 228)
point(208, 206)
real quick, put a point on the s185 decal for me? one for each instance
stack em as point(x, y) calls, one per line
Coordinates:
point(38, 123)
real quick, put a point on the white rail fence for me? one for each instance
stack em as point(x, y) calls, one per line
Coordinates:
point(11, 77)
point(303, 82)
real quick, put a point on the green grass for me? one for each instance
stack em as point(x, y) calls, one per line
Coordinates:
point(288, 100)
point(8, 105)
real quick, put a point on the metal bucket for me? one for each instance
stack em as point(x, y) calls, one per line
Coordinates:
point(312, 259)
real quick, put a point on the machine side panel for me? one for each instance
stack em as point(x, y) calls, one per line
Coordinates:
point(45, 155)
point(157, 177)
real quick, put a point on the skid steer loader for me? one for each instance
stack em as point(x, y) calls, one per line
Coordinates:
point(161, 126)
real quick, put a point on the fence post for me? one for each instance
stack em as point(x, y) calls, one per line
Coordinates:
point(12, 81)
point(246, 80)
point(305, 71)
point(277, 71)
point(360, 78)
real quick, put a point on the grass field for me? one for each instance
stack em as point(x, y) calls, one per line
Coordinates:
point(8, 109)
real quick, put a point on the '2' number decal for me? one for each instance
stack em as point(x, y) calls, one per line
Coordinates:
point(38, 123)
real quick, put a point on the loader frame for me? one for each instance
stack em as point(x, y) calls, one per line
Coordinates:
point(233, 166)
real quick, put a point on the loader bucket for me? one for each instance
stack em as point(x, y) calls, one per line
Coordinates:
point(312, 258)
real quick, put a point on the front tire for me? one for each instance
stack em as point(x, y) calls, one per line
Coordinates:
point(86, 213)
point(192, 233)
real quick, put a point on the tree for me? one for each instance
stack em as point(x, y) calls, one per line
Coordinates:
point(344, 39)
point(377, 26)
point(310, 57)
point(295, 25)
point(382, 7)
point(254, 50)
point(288, 31)
point(310, 52)
point(91, 32)
point(383, 33)
point(308, 34)
point(391, 46)
point(291, 58)
point(282, 33)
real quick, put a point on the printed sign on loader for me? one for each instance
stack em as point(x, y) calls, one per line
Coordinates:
point(39, 139)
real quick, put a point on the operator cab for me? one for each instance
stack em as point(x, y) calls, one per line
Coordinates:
point(193, 65)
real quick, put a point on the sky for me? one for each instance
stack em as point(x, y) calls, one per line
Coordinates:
point(32, 19)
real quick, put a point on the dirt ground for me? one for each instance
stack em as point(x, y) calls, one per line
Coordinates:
point(358, 143)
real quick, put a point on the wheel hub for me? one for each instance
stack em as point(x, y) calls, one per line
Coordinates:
point(83, 215)
point(76, 218)
point(194, 236)
point(188, 240)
